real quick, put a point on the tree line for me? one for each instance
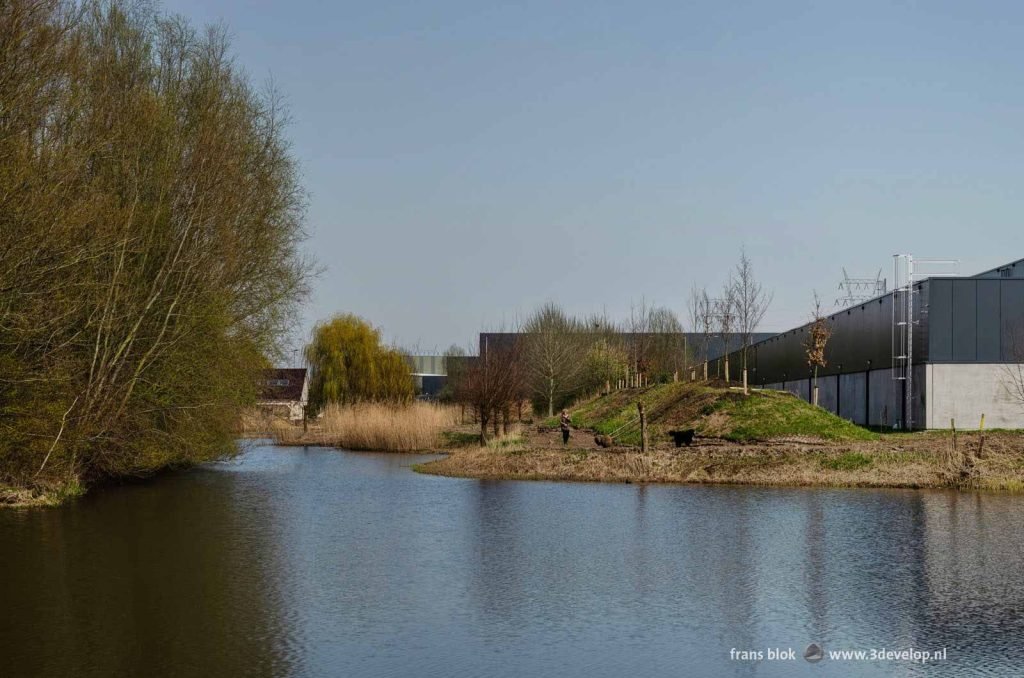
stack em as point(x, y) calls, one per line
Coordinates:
point(553, 358)
point(547, 361)
point(150, 218)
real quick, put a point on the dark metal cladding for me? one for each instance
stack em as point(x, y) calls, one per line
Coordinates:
point(957, 320)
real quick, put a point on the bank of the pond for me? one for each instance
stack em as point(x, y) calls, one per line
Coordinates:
point(916, 460)
point(20, 497)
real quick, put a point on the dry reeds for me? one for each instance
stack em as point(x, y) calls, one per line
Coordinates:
point(377, 426)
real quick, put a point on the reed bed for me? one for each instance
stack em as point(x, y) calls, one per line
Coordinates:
point(377, 426)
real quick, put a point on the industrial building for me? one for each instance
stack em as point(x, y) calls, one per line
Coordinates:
point(429, 374)
point(936, 349)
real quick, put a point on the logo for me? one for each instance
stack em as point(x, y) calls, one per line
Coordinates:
point(814, 653)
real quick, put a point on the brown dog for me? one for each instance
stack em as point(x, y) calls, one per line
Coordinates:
point(604, 441)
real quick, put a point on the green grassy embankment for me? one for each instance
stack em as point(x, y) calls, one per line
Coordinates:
point(714, 412)
point(764, 438)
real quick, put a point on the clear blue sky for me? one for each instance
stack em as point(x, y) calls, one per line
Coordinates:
point(468, 161)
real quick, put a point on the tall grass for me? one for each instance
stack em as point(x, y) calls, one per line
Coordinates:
point(375, 426)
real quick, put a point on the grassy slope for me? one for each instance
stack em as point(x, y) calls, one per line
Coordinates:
point(714, 412)
point(804, 446)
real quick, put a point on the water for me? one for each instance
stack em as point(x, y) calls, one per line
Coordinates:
point(314, 562)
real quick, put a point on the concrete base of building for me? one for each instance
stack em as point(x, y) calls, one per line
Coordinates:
point(961, 392)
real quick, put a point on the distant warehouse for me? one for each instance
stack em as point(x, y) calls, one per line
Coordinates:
point(954, 361)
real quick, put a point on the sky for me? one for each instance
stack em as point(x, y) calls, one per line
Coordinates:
point(469, 161)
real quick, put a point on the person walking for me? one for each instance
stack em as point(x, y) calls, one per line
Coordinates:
point(565, 424)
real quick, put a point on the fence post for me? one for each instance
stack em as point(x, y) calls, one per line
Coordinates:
point(643, 426)
point(981, 440)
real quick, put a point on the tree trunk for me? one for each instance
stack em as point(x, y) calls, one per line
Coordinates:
point(551, 398)
point(483, 427)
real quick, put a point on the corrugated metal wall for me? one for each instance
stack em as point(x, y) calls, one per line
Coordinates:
point(861, 340)
point(975, 319)
point(958, 320)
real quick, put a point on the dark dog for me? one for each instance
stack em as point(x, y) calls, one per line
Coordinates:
point(681, 438)
point(604, 441)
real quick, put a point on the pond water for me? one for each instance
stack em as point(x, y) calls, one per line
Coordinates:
point(318, 562)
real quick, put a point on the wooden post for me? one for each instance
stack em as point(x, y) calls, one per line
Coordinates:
point(746, 391)
point(643, 426)
point(981, 439)
point(705, 370)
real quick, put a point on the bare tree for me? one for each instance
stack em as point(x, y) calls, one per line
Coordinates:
point(606, 357)
point(820, 332)
point(667, 346)
point(553, 353)
point(751, 303)
point(640, 339)
point(701, 321)
point(724, 312)
point(1013, 371)
point(492, 384)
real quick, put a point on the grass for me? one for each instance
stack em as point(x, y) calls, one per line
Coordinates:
point(379, 427)
point(775, 467)
point(764, 438)
point(512, 443)
point(849, 461)
point(459, 439)
point(714, 412)
point(909, 463)
point(764, 415)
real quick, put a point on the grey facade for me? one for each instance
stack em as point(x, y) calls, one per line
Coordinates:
point(966, 331)
point(429, 374)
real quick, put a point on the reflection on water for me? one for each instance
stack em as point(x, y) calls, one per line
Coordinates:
point(317, 562)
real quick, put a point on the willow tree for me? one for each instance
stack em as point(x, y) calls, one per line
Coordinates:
point(151, 219)
point(348, 364)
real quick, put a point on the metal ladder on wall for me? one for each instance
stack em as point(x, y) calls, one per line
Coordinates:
point(907, 271)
